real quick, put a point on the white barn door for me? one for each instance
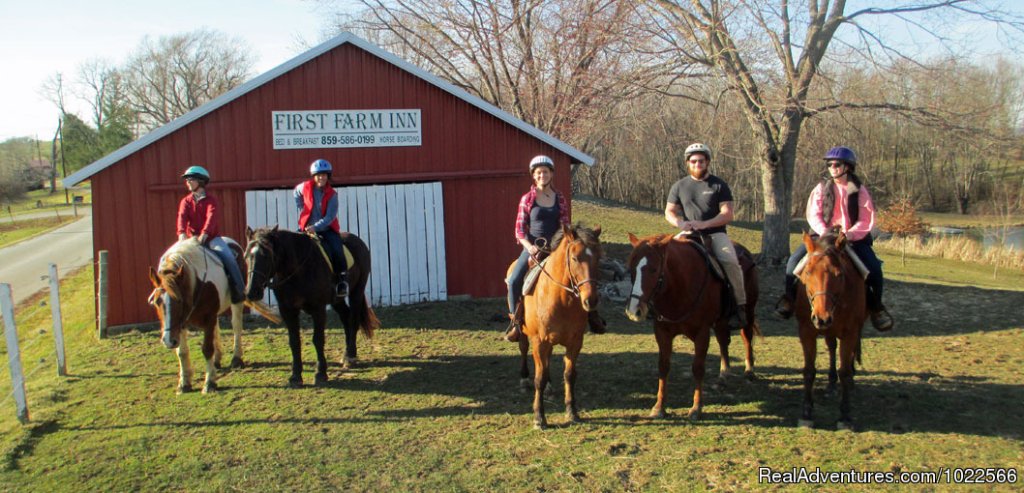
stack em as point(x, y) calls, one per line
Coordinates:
point(403, 225)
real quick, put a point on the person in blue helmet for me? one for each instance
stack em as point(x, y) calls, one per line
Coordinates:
point(317, 203)
point(198, 217)
point(842, 203)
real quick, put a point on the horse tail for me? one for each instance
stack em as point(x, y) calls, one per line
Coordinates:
point(264, 310)
point(369, 322)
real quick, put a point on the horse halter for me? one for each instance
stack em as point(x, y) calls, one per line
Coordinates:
point(660, 285)
point(574, 286)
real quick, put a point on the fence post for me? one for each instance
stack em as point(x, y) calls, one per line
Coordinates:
point(13, 355)
point(101, 311)
point(58, 322)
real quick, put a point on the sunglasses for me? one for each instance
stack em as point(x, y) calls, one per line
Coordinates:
point(836, 164)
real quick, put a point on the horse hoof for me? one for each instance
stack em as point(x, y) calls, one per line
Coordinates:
point(295, 383)
point(217, 365)
point(320, 380)
point(210, 388)
point(182, 389)
point(657, 414)
point(237, 362)
point(349, 363)
point(750, 376)
point(694, 415)
point(844, 425)
point(540, 425)
point(573, 418)
point(525, 385)
point(805, 423)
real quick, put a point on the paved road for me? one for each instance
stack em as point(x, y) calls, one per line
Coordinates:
point(65, 213)
point(26, 264)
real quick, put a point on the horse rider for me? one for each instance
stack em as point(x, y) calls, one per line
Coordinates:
point(317, 203)
point(542, 212)
point(198, 214)
point(841, 202)
point(702, 203)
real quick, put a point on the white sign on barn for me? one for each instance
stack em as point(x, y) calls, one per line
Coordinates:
point(403, 225)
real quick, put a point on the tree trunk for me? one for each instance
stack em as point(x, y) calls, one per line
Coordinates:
point(777, 205)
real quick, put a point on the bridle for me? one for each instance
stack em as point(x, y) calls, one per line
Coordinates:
point(574, 286)
point(195, 292)
point(831, 298)
point(271, 281)
point(660, 285)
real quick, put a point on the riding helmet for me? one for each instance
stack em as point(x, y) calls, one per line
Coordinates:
point(320, 166)
point(541, 160)
point(697, 148)
point(197, 172)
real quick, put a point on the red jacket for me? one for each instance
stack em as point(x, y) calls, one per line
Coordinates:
point(198, 217)
point(307, 205)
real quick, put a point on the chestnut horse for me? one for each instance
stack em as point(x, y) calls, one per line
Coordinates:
point(556, 313)
point(833, 307)
point(296, 268)
point(671, 278)
point(191, 288)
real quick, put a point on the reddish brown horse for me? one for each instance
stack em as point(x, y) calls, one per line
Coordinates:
point(556, 313)
point(672, 279)
point(834, 307)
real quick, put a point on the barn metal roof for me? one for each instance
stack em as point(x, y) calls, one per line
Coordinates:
point(285, 67)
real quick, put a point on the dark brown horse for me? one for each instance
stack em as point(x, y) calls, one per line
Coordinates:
point(671, 278)
point(833, 307)
point(190, 288)
point(294, 266)
point(555, 312)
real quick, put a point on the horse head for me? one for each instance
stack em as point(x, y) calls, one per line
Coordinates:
point(167, 299)
point(646, 270)
point(259, 260)
point(823, 278)
point(582, 254)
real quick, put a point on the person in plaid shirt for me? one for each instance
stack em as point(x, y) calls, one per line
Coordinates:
point(542, 212)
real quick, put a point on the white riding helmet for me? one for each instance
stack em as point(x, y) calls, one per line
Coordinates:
point(541, 160)
point(697, 148)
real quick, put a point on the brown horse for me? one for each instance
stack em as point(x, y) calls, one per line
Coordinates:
point(556, 313)
point(296, 268)
point(191, 289)
point(834, 307)
point(671, 278)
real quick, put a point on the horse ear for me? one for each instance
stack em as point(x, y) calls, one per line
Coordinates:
point(633, 240)
point(248, 233)
point(567, 231)
point(274, 230)
point(808, 242)
point(597, 230)
point(153, 278)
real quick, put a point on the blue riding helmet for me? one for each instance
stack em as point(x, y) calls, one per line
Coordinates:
point(840, 153)
point(320, 166)
point(198, 172)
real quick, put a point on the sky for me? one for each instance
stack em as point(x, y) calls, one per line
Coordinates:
point(40, 38)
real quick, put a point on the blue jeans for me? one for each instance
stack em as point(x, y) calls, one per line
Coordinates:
point(332, 242)
point(516, 278)
point(223, 251)
point(865, 252)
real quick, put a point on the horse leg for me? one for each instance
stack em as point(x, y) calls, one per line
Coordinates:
point(724, 337)
point(236, 327)
point(700, 354)
point(319, 323)
point(345, 313)
point(541, 357)
point(846, 353)
point(569, 376)
point(833, 376)
point(291, 320)
point(211, 344)
point(664, 339)
point(184, 364)
point(809, 343)
point(217, 350)
point(524, 370)
point(748, 342)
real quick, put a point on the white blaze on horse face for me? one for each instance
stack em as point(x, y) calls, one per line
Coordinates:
point(638, 290)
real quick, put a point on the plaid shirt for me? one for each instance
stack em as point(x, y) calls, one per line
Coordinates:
point(526, 203)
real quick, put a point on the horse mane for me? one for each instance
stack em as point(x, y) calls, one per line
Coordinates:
point(185, 255)
point(585, 234)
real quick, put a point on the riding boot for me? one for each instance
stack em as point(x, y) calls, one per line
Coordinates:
point(341, 289)
point(880, 317)
point(784, 307)
point(237, 292)
point(597, 324)
point(514, 331)
point(739, 318)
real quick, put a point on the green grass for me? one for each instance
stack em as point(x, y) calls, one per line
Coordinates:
point(41, 200)
point(13, 232)
point(436, 405)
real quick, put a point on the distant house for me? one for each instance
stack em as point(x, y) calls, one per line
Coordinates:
point(38, 172)
point(429, 175)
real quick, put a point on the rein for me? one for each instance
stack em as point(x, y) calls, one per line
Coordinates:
point(574, 287)
point(273, 283)
point(831, 297)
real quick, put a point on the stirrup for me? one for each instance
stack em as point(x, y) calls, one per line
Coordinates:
point(881, 320)
point(513, 332)
point(341, 289)
point(784, 307)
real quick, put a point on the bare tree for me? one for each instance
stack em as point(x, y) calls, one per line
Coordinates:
point(173, 75)
point(98, 83)
point(772, 53)
point(560, 65)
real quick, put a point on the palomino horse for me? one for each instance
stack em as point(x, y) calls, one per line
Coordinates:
point(672, 279)
point(191, 287)
point(835, 308)
point(556, 313)
point(295, 267)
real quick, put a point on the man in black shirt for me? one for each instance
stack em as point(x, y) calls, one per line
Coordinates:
point(702, 202)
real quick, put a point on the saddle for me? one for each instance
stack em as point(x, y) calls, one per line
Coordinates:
point(702, 243)
point(349, 259)
point(531, 276)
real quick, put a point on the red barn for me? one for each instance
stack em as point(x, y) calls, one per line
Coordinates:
point(429, 175)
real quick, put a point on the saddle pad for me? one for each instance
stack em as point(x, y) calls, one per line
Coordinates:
point(349, 259)
point(531, 277)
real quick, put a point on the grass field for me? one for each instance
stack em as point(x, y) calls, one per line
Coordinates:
point(436, 403)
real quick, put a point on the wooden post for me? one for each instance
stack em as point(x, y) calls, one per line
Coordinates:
point(101, 293)
point(13, 355)
point(58, 322)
